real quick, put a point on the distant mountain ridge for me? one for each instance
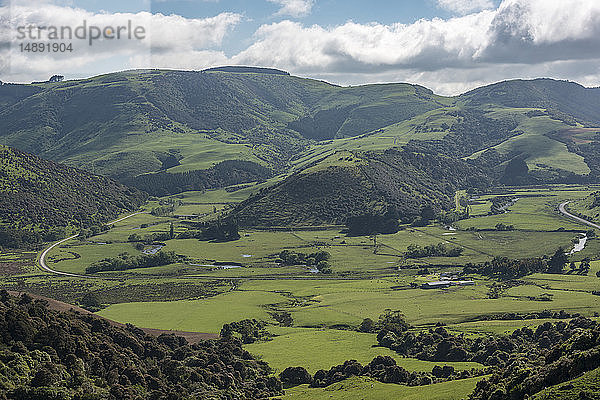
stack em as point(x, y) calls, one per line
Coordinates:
point(171, 131)
point(144, 116)
point(247, 70)
point(568, 97)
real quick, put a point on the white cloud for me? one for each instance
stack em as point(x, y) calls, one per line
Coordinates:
point(294, 8)
point(428, 44)
point(182, 39)
point(518, 35)
point(465, 6)
point(521, 38)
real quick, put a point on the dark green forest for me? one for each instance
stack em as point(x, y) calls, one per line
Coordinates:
point(393, 183)
point(45, 354)
point(226, 173)
point(40, 197)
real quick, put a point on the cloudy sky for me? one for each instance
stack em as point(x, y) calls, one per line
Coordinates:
point(447, 45)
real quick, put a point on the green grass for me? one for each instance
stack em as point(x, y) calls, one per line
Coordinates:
point(365, 388)
point(61, 259)
point(542, 151)
point(530, 213)
point(588, 383)
point(316, 349)
point(328, 303)
point(206, 315)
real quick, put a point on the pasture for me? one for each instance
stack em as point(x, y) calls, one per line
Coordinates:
point(369, 277)
point(366, 388)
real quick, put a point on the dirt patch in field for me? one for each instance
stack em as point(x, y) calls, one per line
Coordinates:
point(13, 267)
point(191, 337)
point(571, 134)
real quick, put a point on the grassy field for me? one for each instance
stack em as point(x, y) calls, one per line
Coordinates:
point(314, 303)
point(323, 348)
point(365, 388)
point(325, 310)
point(206, 315)
point(588, 383)
point(528, 213)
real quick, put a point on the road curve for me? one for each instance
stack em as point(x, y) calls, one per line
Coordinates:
point(562, 209)
point(42, 260)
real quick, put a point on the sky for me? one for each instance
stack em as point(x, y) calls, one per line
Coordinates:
point(449, 46)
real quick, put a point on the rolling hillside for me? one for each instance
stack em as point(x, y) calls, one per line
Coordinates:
point(129, 123)
point(570, 98)
point(170, 131)
point(350, 184)
point(38, 196)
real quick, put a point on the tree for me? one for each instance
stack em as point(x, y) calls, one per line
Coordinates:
point(572, 265)
point(367, 325)
point(372, 224)
point(323, 267)
point(90, 300)
point(295, 376)
point(427, 212)
point(56, 78)
point(393, 321)
point(557, 262)
point(172, 231)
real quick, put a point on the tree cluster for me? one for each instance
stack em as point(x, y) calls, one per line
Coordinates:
point(149, 239)
point(382, 368)
point(504, 227)
point(46, 354)
point(554, 353)
point(432, 250)
point(319, 259)
point(125, 262)
point(17, 238)
point(221, 230)
point(371, 224)
point(249, 330)
point(507, 268)
point(523, 363)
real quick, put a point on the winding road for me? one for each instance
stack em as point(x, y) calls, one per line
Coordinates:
point(46, 268)
point(44, 254)
point(562, 209)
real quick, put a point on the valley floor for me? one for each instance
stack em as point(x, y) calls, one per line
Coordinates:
point(219, 283)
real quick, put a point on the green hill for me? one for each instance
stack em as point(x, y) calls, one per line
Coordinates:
point(128, 123)
point(566, 97)
point(170, 131)
point(39, 196)
point(350, 184)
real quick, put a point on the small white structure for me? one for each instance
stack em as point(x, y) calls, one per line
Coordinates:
point(446, 284)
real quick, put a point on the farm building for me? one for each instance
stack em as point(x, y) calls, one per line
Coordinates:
point(445, 284)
